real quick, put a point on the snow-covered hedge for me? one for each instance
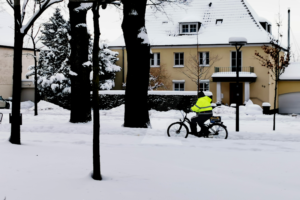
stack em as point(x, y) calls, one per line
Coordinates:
point(157, 100)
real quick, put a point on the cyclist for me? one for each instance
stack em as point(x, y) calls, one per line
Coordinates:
point(204, 112)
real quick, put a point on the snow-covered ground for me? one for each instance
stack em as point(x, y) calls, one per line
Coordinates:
point(54, 161)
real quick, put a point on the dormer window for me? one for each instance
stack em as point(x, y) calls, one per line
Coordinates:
point(219, 21)
point(189, 25)
point(266, 25)
point(189, 28)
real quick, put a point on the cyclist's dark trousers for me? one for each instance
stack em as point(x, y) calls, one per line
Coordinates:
point(200, 119)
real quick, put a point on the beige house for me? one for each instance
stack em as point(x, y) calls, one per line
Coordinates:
point(6, 64)
point(289, 89)
point(6, 74)
point(210, 24)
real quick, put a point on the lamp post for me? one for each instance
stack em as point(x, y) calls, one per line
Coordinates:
point(238, 42)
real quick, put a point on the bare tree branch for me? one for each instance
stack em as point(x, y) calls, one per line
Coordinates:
point(197, 72)
point(10, 3)
point(23, 10)
point(43, 7)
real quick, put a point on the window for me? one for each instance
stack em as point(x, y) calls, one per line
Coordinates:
point(185, 28)
point(204, 85)
point(178, 86)
point(189, 28)
point(235, 62)
point(219, 21)
point(179, 59)
point(155, 59)
point(193, 28)
point(204, 58)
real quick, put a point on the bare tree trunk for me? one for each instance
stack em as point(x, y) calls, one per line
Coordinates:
point(96, 127)
point(274, 121)
point(15, 136)
point(80, 84)
point(35, 77)
point(138, 56)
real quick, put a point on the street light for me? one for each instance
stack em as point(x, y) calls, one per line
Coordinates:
point(238, 42)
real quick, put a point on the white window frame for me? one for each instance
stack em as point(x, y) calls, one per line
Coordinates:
point(236, 63)
point(178, 82)
point(204, 58)
point(189, 28)
point(155, 58)
point(179, 59)
point(203, 82)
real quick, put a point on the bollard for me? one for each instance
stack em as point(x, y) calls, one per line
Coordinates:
point(266, 108)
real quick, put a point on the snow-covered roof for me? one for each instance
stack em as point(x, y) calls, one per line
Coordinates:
point(237, 40)
point(262, 19)
point(292, 72)
point(189, 18)
point(238, 19)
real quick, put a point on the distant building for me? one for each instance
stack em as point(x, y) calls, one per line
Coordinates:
point(173, 40)
point(6, 57)
point(289, 90)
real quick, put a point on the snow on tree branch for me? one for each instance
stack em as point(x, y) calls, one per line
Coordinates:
point(43, 7)
point(144, 36)
point(133, 12)
point(73, 73)
point(83, 7)
point(80, 25)
point(23, 10)
point(87, 64)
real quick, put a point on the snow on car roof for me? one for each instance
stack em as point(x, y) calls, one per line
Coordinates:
point(236, 17)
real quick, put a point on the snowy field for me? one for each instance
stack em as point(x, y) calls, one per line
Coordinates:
point(54, 161)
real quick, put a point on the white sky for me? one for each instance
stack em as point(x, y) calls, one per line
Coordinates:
point(110, 19)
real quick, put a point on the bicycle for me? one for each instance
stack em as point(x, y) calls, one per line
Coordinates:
point(216, 128)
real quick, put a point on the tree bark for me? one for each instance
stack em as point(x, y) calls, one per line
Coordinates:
point(80, 84)
point(15, 137)
point(274, 120)
point(96, 125)
point(138, 56)
point(35, 77)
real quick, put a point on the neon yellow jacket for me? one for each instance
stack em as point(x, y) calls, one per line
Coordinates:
point(203, 104)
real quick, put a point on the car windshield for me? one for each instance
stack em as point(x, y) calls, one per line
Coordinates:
point(1, 98)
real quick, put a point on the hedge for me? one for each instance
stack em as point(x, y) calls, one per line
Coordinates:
point(157, 100)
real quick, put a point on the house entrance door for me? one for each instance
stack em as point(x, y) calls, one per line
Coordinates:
point(233, 90)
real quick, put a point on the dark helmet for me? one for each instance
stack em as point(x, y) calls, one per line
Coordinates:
point(201, 94)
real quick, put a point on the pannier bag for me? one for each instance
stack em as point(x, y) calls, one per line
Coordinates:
point(215, 119)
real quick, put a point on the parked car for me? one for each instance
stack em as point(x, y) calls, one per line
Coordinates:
point(3, 103)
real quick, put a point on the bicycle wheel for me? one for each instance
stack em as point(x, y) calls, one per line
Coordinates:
point(178, 129)
point(218, 131)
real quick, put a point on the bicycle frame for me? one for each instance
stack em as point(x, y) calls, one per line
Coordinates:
point(185, 119)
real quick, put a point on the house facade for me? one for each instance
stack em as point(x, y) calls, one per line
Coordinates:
point(201, 30)
point(6, 64)
point(6, 74)
point(289, 90)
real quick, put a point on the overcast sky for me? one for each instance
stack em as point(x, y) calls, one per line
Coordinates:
point(110, 20)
